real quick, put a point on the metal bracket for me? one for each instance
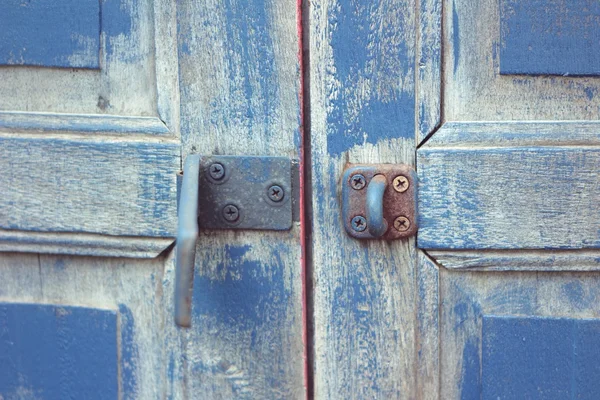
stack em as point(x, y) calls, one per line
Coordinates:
point(379, 201)
point(245, 192)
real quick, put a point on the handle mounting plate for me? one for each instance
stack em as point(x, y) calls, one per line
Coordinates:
point(399, 200)
point(250, 192)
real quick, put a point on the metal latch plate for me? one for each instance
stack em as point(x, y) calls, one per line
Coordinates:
point(399, 200)
point(245, 192)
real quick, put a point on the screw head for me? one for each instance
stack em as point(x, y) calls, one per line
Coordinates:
point(401, 184)
point(275, 193)
point(359, 223)
point(216, 171)
point(358, 181)
point(231, 213)
point(401, 224)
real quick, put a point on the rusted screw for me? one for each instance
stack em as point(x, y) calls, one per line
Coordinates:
point(359, 223)
point(231, 213)
point(275, 193)
point(401, 224)
point(358, 181)
point(216, 171)
point(401, 184)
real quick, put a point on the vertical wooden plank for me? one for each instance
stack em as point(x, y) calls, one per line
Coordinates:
point(429, 71)
point(240, 84)
point(428, 344)
point(362, 110)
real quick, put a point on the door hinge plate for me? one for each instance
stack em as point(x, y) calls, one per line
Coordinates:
point(245, 192)
point(396, 184)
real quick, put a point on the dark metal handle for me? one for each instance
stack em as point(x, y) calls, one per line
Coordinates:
point(376, 224)
point(187, 235)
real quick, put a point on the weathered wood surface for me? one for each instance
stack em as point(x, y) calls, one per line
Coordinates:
point(469, 296)
point(473, 88)
point(362, 110)
point(517, 260)
point(240, 86)
point(148, 360)
point(428, 325)
point(512, 194)
point(558, 37)
point(115, 186)
point(50, 34)
point(125, 84)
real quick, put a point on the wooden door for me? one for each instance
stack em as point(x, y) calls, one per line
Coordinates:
point(100, 102)
point(496, 105)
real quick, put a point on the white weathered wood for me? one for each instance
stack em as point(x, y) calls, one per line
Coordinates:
point(509, 198)
point(82, 244)
point(518, 260)
point(429, 68)
point(97, 185)
point(361, 111)
point(240, 85)
point(474, 90)
point(124, 85)
point(88, 124)
point(427, 337)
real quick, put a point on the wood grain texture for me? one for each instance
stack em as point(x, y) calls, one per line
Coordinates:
point(82, 244)
point(473, 88)
point(429, 71)
point(49, 34)
point(106, 186)
point(513, 194)
point(555, 37)
point(428, 341)
point(125, 84)
point(362, 110)
point(240, 85)
point(469, 296)
point(517, 260)
point(149, 358)
point(83, 124)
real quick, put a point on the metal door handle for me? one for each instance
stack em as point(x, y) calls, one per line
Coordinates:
point(238, 192)
point(376, 223)
point(187, 235)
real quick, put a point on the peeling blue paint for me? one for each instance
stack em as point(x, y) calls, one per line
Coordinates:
point(50, 33)
point(540, 358)
point(129, 353)
point(470, 382)
point(455, 36)
point(558, 37)
point(380, 115)
point(57, 352)
point(117, 20)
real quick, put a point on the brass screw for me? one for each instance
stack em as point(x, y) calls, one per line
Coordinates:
point(401, 184)
point(401, 224)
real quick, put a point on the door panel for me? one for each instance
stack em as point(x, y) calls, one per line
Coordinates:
point(135, 345)
point(508, 204)
point(91, 150)
point(240, 95)
point(89, 160)
point(362, 104)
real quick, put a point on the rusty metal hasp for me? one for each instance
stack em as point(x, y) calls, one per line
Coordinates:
point(379, 201)
point(228, 192)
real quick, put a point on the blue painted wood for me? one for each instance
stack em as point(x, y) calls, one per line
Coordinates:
point(57, 352)
point(50, 33)
point(540, 358)
point(557, 37)
point(116, 187)
point(513, 189)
